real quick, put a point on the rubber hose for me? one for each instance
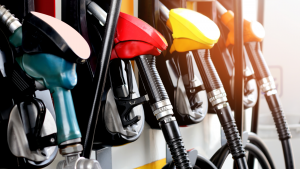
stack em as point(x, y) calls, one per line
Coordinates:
point(231, 132)
point(258, 62)
point(262, 71)
point(254, 150)
point(151, 79)
point(288, 154)
point(278, 116)
point(207, 70)
point(254, 139)
point(179, 155)
point(200, 163)
point(233, 140)
point(173, 138)
point(157, 92)
point(204, 163)
point(220, 156)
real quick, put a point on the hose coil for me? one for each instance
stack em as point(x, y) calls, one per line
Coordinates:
point(179, 154)
point(233, 140)
point(207, 70)
point(157, 88)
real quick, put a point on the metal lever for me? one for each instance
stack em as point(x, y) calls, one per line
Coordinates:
point(192, 95)
point(193, 87)
point(40, 116)
point(190, 68)
point(126, 104)
point(34, 135)
point(247, 79)
point(128, 70)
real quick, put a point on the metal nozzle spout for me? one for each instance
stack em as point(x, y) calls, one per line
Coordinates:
point(11, 22)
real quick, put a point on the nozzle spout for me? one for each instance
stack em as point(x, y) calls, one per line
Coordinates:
point(220, 8)
point(11, 22)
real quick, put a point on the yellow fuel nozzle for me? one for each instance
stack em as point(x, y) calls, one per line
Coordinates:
point(191, 30)
point(253, 31)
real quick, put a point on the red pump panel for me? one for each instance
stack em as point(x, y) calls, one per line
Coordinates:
point(45, 6)
point(135, 37)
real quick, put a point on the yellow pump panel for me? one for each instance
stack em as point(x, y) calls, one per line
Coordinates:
point(127, 6)
point(193, 29)
point(190, 5)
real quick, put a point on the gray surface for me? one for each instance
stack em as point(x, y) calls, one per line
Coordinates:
point(104, 157)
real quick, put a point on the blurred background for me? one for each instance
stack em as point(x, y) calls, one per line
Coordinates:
point(281, 51)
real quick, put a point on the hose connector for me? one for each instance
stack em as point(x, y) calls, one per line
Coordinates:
point(162, 109)
point(72, 152)
point(267, 84)
point(9, 20)
point(217, 96)
point(173, 138)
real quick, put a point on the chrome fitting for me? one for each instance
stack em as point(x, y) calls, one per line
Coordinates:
point(217, 96)
point(271, 92)
point(195, 82)
point(164, 114)
point(163, 10)
point(11, 22)
point(71, 149)
point(162, 108)
point(73, 141)
point(169, 119)
point(160, 104)
point(267, 84)
point(74, 161)
point(97, 11)
point(221, 106)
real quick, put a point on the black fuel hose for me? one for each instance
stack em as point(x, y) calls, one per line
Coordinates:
point(254, 139)
point(212, 82)
point(159, 97)
point(204, 163)
point(201, 162)
point(151, 79)
point(220, 156)
point(258, 154)
point(267, 85)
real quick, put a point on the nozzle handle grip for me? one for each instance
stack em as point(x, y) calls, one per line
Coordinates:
point(50, 68)
point(256, 57)
point(66, 121)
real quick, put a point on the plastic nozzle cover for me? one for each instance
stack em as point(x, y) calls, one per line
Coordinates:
point(253, 31)
point(45, 34)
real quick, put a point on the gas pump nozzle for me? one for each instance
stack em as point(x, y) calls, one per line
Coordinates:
point(50, 51)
